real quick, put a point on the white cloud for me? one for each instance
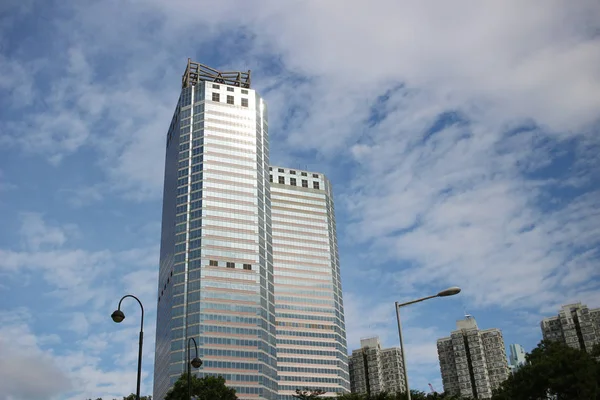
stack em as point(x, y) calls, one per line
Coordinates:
point(77, 276)
point(79, 323)
point(21, 352)
point(5, 185)
point(37, 234)
point(492, 63)
point(100, 357)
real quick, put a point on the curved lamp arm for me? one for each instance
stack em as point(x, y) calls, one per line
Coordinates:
point(141, 306)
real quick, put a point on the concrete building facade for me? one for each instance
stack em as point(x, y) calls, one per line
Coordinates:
point(311, 332)
point(575, 325)
point(375, 370)
point(472, 361)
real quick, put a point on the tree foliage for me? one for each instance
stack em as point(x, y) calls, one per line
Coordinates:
point(308, 394)
point(130, 397)
point(207, 388)
point(414, 394)
point(556, 370)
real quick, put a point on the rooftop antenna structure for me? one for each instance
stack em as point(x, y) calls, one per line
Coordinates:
point(196, 72)
point(467, 315)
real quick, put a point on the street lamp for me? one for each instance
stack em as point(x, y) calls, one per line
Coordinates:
point(451, 291)
point(196, 363)
point(118, 316)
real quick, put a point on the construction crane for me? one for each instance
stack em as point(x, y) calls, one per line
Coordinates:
point(432, 389)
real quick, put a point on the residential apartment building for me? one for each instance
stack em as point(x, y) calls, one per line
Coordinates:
point(311, 333)
point(374, 370)
point(472, 361)
point(517, 357)
point(216, 263)
point(575, 325)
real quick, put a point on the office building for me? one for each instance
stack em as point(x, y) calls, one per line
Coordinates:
point(311, 335)
point(575, 325)
point(216, 264)
point(472, 361)
point(374, 370)
point(517, 357)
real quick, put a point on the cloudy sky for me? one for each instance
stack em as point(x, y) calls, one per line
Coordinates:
point(461, 137)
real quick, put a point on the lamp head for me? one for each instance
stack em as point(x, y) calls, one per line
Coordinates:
point(196, 362)
point(118, 316)
point(451, 291)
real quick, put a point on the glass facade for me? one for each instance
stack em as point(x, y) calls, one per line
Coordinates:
point(311, 334)
point(216, 264)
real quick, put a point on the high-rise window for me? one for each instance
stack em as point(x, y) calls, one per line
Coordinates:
point(229, 99)
point(230, 265)
point(293, 181)
point(315, 185)
point(244, 102)
point(304, 183)
point(215, 97)
point(281, 180)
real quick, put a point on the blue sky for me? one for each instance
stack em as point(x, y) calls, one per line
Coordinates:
point(462, 141)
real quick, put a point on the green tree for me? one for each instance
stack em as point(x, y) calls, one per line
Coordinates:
point(351, 396)
point(414, 394)
point(444, 396)
point(308, 394)
point(554, 369)
point(207, 388)
point(132, 397)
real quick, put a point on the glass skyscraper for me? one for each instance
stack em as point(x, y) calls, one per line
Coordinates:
point(255, 283)
point(311, 334)
point(216, 263)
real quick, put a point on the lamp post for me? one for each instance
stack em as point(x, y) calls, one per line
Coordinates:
point(451, 291)
point(118, 316)
point(195, 362)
